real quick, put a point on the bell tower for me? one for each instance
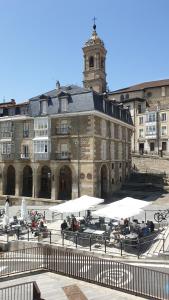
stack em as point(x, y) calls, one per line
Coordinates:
point(94, 75)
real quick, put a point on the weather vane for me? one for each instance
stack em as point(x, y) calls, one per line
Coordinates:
point(94, 25)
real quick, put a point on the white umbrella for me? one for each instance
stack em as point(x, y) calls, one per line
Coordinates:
point(5, 221)
point(24, 212)
point(7, 209)
point(124, 208)
point(77, 205)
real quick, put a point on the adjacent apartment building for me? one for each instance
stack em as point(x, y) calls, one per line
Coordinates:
point(69, 141)
point(149, 106)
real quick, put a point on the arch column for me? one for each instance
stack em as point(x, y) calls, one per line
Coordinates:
point(18, 181)
point(35, 185)
point(54, 186)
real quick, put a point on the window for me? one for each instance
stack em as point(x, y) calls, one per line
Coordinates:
point(163, 117)
point(91, 62)
point(140, 120)
point(64, 150)
point(141, 133)
point(41, 127)
point(139, 108)
point(127, 96)
point(25, 151)
point(40, 147)
point(6, 129)
point(6, 148)
point(112, 181)
point(63, 104)
point(25, 129)
point(163, 91)
point(151, 117)
point(163, 130)
point(63, 129)
point(151, 130)
point(119, 165)
point(121, 97)
point(164, 146)
point(43, 107)
point(112, 166)
point(17, 110)
point(151, 146)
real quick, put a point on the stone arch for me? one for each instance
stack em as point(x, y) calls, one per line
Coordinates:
point(10, 180)
point(104, 181)
point(91, 62)
point(27, 181)
point(65, 183)
point(45, 182)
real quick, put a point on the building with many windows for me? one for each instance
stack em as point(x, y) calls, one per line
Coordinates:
point(69, 141)
point(149, 106)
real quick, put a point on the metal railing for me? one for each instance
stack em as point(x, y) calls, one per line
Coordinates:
point(136, 280)
point(22, 291)
point(88, 242)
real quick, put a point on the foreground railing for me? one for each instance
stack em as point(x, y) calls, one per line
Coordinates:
point(22, 291)
point(147, 283)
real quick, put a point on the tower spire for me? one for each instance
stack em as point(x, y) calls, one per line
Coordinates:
point(94, 24)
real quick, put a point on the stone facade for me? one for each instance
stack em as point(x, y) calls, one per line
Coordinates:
point(149, 107)
point(69, 141)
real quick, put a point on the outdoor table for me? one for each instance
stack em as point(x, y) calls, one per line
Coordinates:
point(132, 236)
point(88, 230)
point(99, 232)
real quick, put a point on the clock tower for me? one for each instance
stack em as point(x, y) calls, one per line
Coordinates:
point(94, 63)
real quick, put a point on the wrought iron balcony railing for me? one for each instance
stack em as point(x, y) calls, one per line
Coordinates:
point(62, 130)
point(64, 155)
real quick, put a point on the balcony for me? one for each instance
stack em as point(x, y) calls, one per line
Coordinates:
point(9, 156)
point(151, 136)
point(42, 156)
point(25, 156)
point(64, 155)
point(6, 135)
point(62, 130)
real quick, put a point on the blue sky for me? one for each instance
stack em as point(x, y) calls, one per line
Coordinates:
point(41, 41)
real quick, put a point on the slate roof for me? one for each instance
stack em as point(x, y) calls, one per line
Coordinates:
point(142, 86)
point(79, 100)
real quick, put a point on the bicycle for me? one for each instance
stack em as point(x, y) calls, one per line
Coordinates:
point(161, 215)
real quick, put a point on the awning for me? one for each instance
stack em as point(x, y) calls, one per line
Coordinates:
point(125, 208)
point(79, 204)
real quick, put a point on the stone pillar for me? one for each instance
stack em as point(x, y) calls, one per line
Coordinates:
point(18, 178)
point(36, 183)
point(53, 184)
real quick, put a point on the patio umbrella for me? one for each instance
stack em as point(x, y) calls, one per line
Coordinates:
point(79, 204)
point(124, 208)
point(24, 211)
point(5, 221)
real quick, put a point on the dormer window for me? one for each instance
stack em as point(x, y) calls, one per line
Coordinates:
point(64, 105)
point(43, 107)
point(91, 62)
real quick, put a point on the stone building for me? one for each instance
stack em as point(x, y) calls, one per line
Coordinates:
point(149, 107)
point(69, 141)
